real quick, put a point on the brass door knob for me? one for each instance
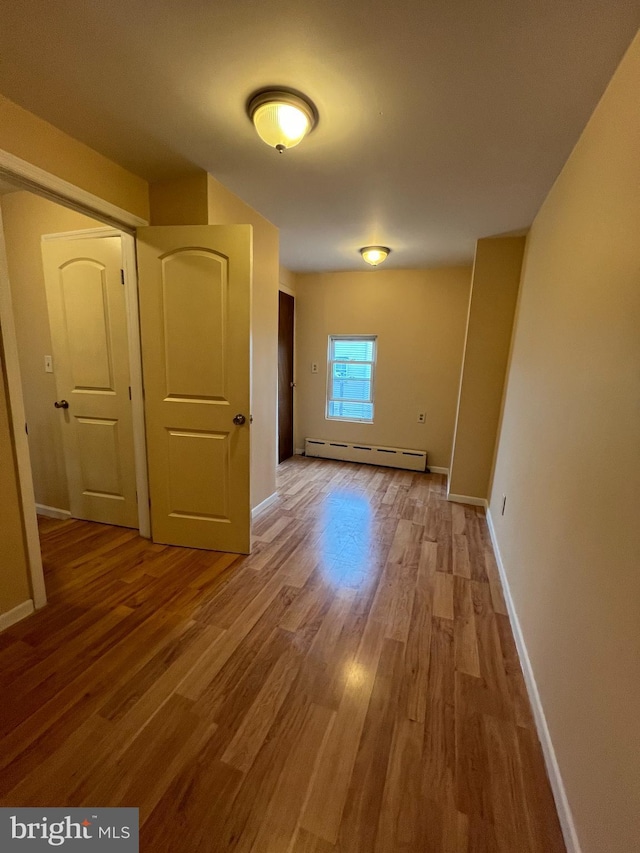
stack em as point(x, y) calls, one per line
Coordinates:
point(239, 420)
point(61, 404)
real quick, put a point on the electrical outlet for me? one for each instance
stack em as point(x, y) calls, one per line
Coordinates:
point(421, 417)
point(48, 364)
point(314, 366)
point(504, 503)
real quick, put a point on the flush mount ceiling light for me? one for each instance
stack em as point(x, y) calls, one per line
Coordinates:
point(282, 119)
point(374, 255)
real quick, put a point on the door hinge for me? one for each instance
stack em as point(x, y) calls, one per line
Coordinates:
point(129, 391)
point(26, 428)
point(121, 276)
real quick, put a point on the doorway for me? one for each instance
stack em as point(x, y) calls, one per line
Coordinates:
point(69, 309)
point(286, 384)
point(29, 364)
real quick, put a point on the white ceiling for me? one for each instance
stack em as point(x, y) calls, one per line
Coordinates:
point(440, 120)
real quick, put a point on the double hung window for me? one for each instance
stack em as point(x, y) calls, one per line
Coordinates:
point(351, 375)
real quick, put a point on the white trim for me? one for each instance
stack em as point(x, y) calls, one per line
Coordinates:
point(299, 451)
point(19, 424)
point(436, 470)
point(467, 499)
point(135, 374)
point(52, 511)
point(263, 505)
point(285, 289)
point(16, 615)
point(28, 176)
point(553, 769)
point(84, 234)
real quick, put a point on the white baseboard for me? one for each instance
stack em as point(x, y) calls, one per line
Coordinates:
point(467, 499)
point(436, 470)
point(553, 770)
point(262, 506)
point(16, 614)
point(299, 451)
point(52, 511)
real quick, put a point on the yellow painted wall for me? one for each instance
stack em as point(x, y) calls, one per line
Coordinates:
point(181, 201)
point(41, 144)
point(492, 304)
point(569, 462)
point(14, 584)
point(419, 317)
point(26, 218)
point(225, 208)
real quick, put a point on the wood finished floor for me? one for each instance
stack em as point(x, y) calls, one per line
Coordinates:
point(352, 686)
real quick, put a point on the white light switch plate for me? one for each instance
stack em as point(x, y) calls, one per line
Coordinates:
point(48, 364)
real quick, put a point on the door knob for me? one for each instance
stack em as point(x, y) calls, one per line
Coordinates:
point(61, 404)
point(239, 420)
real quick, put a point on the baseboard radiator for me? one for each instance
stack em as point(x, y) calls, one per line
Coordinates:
point(389, 457)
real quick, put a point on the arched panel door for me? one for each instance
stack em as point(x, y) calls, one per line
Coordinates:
point(195, 306)
point(88, 324)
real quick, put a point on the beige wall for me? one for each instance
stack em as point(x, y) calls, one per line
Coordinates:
point(26, 218)
point(14, 584)
point(494, 292)
point(569, 462)
point(41, 144)
point(181, 201)
point(225, 208)
point(419, 317)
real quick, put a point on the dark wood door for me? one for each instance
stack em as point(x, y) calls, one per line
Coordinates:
point(285, 376)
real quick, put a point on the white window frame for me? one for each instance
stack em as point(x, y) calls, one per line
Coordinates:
point(331, 361)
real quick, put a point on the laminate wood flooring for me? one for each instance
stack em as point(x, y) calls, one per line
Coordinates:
point(351, 686)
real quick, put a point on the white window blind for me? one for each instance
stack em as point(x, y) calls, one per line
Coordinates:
point(351, 376)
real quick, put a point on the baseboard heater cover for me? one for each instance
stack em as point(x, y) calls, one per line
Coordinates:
point(389, 457)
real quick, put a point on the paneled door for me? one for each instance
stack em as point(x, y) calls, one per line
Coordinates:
point(87, 314)
point(195, 307)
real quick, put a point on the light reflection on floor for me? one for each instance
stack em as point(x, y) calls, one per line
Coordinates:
point(346, 541)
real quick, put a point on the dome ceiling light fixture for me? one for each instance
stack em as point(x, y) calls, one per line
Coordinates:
point(374, 255)
point(281, 118)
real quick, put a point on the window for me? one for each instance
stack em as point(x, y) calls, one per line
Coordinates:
point(351, 377)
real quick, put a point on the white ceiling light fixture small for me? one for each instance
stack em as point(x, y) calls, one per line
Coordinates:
point(281, 118)
point(374, 255)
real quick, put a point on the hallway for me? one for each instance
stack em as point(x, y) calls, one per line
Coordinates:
point(352, 686)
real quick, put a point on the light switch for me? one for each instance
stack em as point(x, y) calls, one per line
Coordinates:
point(48, 364)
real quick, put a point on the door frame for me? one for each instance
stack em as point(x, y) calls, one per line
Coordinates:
point(285, 289)
point(34, 179)
point(288, 292)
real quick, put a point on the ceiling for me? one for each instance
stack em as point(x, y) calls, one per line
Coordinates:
point(441, 121)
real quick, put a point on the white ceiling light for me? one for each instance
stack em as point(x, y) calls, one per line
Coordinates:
point(374, 255)
point(282, 119)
